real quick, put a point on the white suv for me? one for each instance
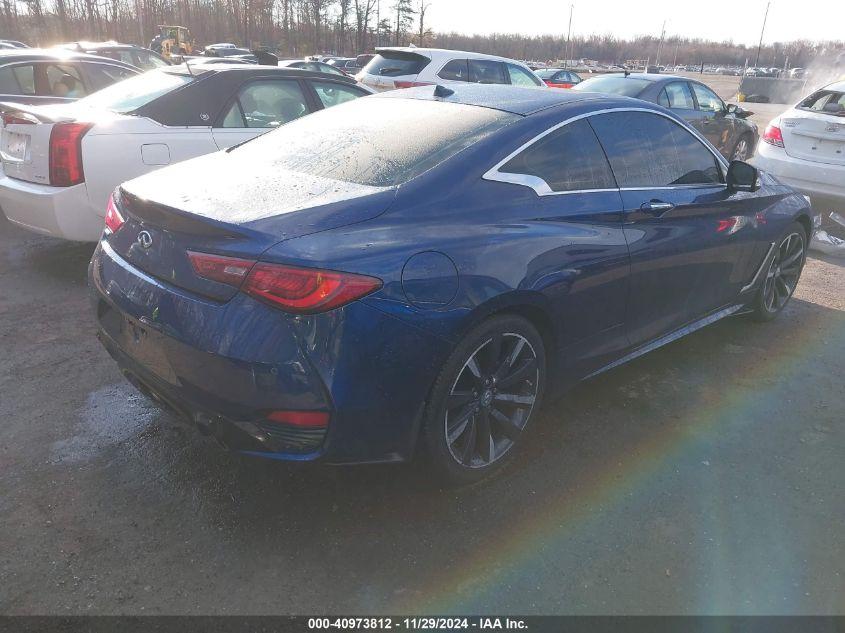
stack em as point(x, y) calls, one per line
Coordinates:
point(406, 67)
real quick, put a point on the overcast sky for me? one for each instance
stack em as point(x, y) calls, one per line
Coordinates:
point(739, 20)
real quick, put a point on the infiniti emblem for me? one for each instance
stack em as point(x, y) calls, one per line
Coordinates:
point(145, 239)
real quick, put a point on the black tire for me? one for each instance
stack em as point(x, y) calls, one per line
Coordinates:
point(482, 392)
point(782, 275)
point(749, 145)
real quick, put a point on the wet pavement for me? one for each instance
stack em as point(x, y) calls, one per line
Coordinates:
point(706, 477)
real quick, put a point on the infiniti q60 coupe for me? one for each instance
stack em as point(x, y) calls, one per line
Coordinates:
point(407, 273)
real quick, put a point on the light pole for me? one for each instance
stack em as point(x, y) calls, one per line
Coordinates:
point(568, 36)
point(762, 30)
point(660, 44)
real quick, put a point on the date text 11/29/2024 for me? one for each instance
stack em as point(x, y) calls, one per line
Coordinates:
point(418, 623)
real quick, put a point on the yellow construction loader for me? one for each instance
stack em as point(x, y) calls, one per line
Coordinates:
point(173, 40)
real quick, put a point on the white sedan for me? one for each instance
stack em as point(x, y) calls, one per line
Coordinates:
point(61, 162)
point(805, 147)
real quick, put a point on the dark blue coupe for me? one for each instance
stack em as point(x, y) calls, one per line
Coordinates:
point(407, 273)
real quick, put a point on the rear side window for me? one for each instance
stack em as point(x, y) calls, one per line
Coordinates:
point(103, 75)
point(455, 70)
point(521, 77)
point(64, 81)
point(396, 64)
point(17, 80)
point(267, 104)
point(648, 150)
point(484, 71)
point(568, 159)
point(676, 96)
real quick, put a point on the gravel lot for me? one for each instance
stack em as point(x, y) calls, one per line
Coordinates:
point(703, 478)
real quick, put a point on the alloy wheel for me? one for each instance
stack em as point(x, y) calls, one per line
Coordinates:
point(741, 150)
point(491, 400)
point(783, 273)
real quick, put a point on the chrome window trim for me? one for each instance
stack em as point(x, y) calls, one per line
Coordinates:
point(542, 188)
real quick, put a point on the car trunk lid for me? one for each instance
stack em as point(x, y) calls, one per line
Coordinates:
point(391, 69)
point(814, 136)
point(234, 213)
point(25, 136)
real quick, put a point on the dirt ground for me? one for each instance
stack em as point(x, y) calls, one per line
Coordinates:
point(705, 477)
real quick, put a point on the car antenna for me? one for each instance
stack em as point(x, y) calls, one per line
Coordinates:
point(188, 66)
point(442, 91)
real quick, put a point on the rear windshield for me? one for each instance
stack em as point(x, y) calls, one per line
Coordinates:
point(546, 73)
point(131, 94)
point(625, 86)
point(827, 101)
point(396, 63)
point(377, 142)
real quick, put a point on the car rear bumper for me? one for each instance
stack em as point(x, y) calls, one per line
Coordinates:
point(227, 365)
point(63, 212)
point(808, 177)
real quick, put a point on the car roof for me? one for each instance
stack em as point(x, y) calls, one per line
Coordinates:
point(513, 99)
point(838, 86)
point(446, 52)
point(37, 54)
point(251, 70)
point(653, 77)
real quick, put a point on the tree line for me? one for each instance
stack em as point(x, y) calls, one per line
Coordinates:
point(349, 27)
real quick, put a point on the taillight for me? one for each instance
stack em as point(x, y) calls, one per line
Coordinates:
point(66, 153)
point(226, 270)
point(773, 135)
point(305, 419)
point(293, 289)
point(18, 119)
point(306, 290)
point(411, 84)
point(113, 218)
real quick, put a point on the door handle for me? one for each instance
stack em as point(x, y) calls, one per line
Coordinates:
point(657, 208)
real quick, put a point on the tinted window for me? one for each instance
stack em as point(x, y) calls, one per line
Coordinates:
point(677, 95)
point(103, 75)
point(455, 70)
point(147, 60)
point(325, 68)
point(396, 63)
point(625, 86)
point(271, 103)
point(483, 71)
point(332, 94)
point(17, 80)
point(830, 101)
point(649, 150)
point(521, 77)
point(137, 91)
point(547, 73)
point(378, 142)
point(707, 99)
point(568, 159)
point(64, 81)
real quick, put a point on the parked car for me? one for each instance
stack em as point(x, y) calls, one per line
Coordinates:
point(230, 61)
point(319, 67)
point(797, 73)
point(142, 58)
point(804, 146)
point(13, 44)
point(35, 76)
point(408, 67)
point(348, 65)
point(62, 162)
point(475, 246)
point(228, 50)
point(558, 77)
point(726, 126)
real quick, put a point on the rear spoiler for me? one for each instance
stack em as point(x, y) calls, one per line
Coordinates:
point(31, 113)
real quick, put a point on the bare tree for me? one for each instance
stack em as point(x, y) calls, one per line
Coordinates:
point(404, 18)
point(363, 14)
point(424, 33)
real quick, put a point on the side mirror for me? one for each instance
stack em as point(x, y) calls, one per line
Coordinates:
point(733, 108)
point(742, 177)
